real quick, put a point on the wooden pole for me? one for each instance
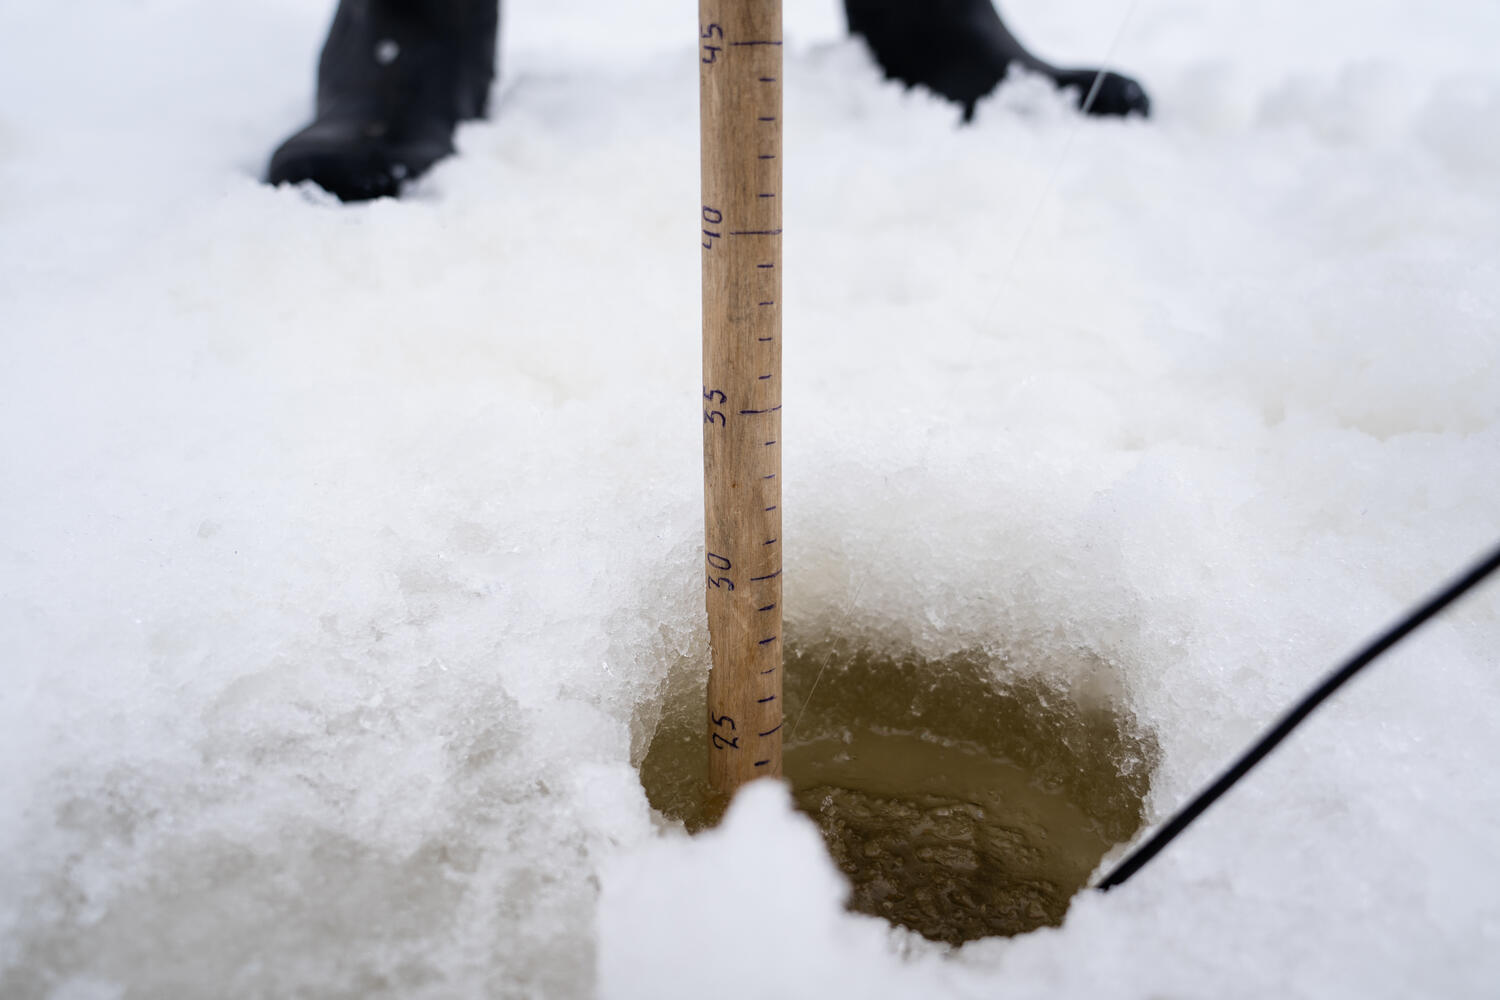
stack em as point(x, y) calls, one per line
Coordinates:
point(740, 116)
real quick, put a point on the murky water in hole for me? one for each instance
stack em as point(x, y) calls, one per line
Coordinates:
point(957, 804)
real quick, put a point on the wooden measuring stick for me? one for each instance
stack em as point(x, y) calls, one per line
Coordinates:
point(740, 111)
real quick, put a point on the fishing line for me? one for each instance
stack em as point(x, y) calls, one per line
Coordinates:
point(1048, 185)
point(848, 614)
point(1283, 728)
point(1051, 182)
point(1046, 192)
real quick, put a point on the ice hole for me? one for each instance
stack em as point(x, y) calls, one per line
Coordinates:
point(962, 798)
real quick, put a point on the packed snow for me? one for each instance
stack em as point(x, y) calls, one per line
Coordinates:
point(346, 551)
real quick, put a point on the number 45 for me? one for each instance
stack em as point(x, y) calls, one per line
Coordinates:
point(711, 52)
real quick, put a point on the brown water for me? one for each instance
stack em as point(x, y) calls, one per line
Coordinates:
point(958, 804)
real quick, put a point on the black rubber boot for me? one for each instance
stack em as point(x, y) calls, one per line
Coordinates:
point(962, 50)
point(395, 78)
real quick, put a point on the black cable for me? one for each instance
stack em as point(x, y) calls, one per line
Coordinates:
point(1185, 816)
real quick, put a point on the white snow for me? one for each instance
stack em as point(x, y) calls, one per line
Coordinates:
point(344, 551)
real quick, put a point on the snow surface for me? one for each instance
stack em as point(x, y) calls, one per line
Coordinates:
point(344, 551)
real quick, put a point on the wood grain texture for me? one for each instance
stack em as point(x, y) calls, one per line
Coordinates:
point(740, 87)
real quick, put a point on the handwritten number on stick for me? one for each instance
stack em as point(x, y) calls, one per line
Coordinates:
point(714, 416)
point(720, 741)
point(711, 217)
point(711, 52)
point(722, 565)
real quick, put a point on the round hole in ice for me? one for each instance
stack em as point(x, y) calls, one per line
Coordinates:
point(962, 798)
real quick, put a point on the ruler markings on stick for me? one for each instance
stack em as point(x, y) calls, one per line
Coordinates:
point(741, 132)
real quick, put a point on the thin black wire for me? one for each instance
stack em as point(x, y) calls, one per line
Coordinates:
point(1185, 816)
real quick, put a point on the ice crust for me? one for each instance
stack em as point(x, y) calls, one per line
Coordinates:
point(345, 552)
